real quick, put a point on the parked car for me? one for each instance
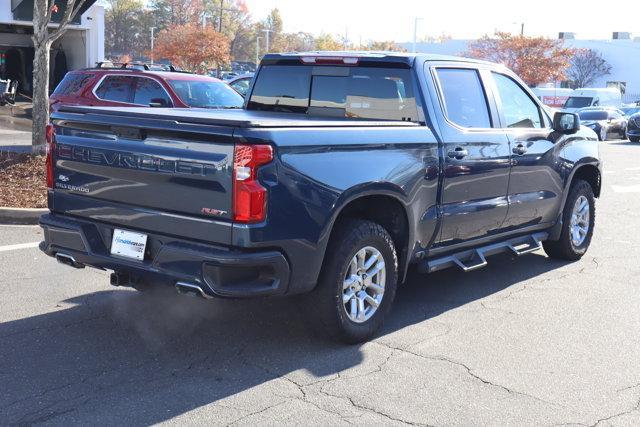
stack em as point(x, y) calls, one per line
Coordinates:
point(605, 122)
point(633, 127)
point(140, 87)
point(342, 170)
point(598, 97)
point(241, 83)
point(630, 110)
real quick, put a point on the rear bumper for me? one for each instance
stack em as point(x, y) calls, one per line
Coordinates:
point(218, 271)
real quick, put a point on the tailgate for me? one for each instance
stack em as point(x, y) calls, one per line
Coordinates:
point(149, 175)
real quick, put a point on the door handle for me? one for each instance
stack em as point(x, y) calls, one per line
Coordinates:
point(519, 149)
point(458, 153)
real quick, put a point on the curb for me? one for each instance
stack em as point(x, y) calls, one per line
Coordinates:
point(23, 216)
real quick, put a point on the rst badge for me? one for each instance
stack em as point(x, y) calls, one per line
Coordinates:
point(213, 212)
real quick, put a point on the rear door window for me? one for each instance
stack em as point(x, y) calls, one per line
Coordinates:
point(72, 84)
point(345, 92)
point(115, 88)
point(464, 98)
point(148, 90)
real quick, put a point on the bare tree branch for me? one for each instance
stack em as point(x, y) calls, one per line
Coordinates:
point(587, 65)
point(69, 14)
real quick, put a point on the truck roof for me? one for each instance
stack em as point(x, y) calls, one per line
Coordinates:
point(373, 56)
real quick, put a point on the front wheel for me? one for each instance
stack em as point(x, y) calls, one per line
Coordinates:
point(578, 219)
point(357, 284)
point(634, 139)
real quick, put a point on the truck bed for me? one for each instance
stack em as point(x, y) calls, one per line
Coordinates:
point(211, 117)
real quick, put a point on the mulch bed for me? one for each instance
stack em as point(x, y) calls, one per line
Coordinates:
point(23, 182)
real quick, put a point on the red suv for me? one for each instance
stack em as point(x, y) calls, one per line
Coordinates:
point(131, 87)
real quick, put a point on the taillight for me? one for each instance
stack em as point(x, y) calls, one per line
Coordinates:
point(50, 136)
point(249, 196)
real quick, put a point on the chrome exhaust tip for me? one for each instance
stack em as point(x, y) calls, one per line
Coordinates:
point(190, 289)
point(68, 260)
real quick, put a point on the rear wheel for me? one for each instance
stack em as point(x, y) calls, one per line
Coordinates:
point(634, 139)
point(357, 284)
point(578, 219)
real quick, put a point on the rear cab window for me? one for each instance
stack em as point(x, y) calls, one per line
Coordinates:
point(73, 84)
point(355, 92)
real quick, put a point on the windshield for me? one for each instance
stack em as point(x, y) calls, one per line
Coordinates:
point(206, 94)
point(593, 115)
point(578, 102)
point(335, 91)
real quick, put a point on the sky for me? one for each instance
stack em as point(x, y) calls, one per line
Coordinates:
point(394, 20)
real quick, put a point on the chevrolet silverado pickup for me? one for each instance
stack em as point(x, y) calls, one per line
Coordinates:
point(340, 171)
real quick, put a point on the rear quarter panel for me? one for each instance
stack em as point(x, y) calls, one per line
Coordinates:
point(318, 171)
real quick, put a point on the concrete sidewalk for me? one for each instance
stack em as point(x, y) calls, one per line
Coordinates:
point(15, 134)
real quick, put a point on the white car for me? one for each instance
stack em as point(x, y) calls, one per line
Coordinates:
point(598, 97)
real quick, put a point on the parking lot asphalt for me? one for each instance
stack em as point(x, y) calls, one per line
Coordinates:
point(524, 341)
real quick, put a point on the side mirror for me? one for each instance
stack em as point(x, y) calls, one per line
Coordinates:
point(158, 103)
point(567, 123)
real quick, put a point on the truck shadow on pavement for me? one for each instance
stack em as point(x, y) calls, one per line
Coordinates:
point(119, 356)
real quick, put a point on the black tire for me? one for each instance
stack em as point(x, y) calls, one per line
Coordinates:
point(634, 139)
point(324, 305)
point(623, 133)
point(564, 248)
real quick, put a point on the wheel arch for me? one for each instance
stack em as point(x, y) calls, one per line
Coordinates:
point(589, 172)
point(366, 203)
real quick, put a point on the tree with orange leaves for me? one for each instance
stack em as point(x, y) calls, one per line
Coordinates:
point(192, 47)
point(535, 59)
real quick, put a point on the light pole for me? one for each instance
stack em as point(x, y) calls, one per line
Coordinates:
point(415, 33)
point(257, 50)
point(266, 39)
point(152, 28)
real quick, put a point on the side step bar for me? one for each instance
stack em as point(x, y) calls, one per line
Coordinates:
point(473, 259)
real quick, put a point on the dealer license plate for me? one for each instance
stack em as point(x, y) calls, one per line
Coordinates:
point(128, 244)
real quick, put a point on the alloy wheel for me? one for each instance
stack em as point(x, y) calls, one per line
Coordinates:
point(363, 285)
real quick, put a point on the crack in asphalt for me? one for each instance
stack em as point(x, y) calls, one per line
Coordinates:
point(471, 373)
point(635, 407)
point(321, 390)
point(372, 410)
point(256, 412)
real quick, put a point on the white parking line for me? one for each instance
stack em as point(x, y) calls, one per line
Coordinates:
point(626, 188)
point(19, 246)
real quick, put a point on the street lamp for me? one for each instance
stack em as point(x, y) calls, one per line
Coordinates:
point(415, 33)
point(266, 32)
point(257, 50)
point(152, 38)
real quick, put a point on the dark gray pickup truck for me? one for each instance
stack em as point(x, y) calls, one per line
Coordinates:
point(340, 171)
